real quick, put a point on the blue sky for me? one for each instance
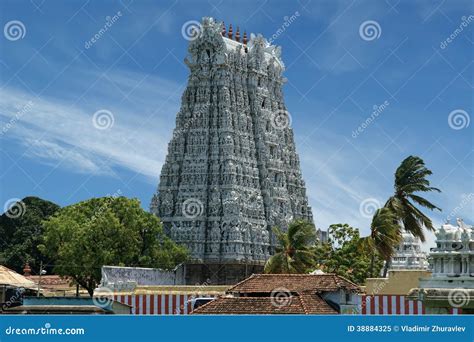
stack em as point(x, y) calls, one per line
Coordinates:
point(51, 86)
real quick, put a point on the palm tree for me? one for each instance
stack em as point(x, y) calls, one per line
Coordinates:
point(295, 251)
point(410, 177)
point(384, 236)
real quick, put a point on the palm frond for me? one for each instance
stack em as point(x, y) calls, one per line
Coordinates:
point(385, 232)
point(412, 225)
point(418, 215)
point(276, 264)
point(424, 202)
point(295, 249)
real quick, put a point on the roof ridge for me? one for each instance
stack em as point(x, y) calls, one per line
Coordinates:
point(349, 281)
point(193, 311)
point(318, 298)
point(303, 304)
point(241, 282)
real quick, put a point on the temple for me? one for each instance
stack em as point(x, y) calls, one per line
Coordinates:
point(232, 171)
point(452, 260)
point(451, 284)
point(408, 254)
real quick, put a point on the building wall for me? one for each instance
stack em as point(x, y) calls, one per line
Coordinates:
point(347, 301)
point(180, 304)
point(220, 274)
point(160, 303)
point(394, 305)
point(116, 277)
point(399, 282)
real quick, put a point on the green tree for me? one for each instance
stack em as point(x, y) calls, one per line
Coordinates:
point(385, 234)
point(342, 254)
point(295, 253)
point(411, 178)
point(107, 231)
point(21, 232)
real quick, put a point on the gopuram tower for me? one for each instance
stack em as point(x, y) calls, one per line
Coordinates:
point(232, 171)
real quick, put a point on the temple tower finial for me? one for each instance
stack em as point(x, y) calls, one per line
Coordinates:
point(223, 29)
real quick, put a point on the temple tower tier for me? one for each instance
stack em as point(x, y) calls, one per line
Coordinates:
point(232, 171)
point(408, 255)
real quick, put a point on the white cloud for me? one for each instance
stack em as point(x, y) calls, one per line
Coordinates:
point(58, 133)
point(334, 189)
point(73, 159)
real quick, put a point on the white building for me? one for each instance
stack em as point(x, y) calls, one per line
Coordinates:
point(451, 285)
point(452, 260)
point(408, 254)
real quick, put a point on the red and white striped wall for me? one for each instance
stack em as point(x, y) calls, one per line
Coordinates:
point(180, 304)
point(393, 305)
point(158, 304)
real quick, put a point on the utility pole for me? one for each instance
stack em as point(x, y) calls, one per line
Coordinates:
point(39, 280)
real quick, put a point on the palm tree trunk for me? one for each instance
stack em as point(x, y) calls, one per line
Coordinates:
point(372, 262)
point(385, 268)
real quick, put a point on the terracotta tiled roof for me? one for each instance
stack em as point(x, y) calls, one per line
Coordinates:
point(306, 304)
point(51, 280)
point(52, 284)
point(266, 283)
point(10, 277)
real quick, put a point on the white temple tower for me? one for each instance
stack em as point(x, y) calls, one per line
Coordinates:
point(452, 260)
point(232, 171)
point(451, 285)
point(408, 254)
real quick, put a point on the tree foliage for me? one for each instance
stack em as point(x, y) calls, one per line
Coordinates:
point(107, 231)
point(410, 178)
point(295, 250)
point(342, 254)
point(400, 211)
point(21, 231)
